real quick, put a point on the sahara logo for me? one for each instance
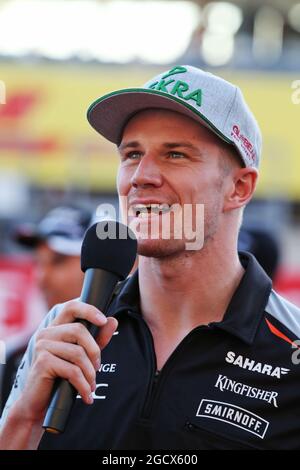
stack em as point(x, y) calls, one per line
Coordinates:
point(251, 364)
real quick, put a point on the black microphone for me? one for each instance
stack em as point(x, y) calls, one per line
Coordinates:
point(107, 256)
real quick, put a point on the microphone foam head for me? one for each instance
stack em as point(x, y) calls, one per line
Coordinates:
point(111, 246)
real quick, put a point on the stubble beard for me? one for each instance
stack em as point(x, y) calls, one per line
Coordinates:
point(160, 248)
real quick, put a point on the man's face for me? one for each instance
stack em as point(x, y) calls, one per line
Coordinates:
point(167, 158)
point(59, 276)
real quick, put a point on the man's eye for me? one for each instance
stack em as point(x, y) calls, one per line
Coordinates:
point(176, 155)
point(133, 155)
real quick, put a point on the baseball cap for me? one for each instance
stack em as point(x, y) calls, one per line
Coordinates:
point(200, 95)
point(62, 228)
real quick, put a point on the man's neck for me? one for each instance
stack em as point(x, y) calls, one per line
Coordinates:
point(182, 292)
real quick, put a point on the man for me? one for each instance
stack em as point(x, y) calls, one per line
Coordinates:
point(202, 358)
point(56, 245)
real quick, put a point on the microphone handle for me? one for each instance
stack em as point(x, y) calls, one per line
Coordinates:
point(98, 287)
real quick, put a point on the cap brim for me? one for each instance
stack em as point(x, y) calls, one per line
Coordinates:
point(27, 237)
point(109, 114)
point(65, 246)
point(59, 244)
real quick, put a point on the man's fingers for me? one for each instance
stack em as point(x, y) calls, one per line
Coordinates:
point(72, 353)
point(75, 309)
point(106, 332)
point(74, 333)
point(57, 367)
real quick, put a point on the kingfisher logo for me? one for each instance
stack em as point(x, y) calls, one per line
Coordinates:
point(251, 364)
point(234, 415)
point(225, 384)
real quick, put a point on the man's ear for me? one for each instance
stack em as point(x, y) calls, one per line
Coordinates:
point(240, 188)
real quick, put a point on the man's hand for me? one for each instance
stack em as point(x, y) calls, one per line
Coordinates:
point(65, 349)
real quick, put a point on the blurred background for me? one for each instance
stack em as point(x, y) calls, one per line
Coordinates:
point(57, 56)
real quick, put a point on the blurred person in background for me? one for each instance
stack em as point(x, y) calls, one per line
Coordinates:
point(263, 245)
point(56, 244)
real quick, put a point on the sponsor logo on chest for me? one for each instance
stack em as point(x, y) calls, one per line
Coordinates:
point(225, 384)
point(254, 366)
point(234, 415)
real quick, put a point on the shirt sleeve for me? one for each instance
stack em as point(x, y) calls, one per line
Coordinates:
point(22, 372)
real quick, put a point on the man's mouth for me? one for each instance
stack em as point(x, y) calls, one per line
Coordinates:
point(146, 210)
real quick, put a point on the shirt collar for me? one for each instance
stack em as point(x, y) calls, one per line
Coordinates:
point(244, 312)
point(247, 306)
point(128, 296)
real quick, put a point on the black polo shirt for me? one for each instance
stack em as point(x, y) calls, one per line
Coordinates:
point(232, 384)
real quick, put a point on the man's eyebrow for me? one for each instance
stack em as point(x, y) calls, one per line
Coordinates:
point(131, 144)
point(168, 145)
point(171, 145)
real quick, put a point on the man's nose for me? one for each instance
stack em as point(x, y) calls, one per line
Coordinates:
point(147, 173)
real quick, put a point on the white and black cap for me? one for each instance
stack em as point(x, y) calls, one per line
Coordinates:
point(62, 228)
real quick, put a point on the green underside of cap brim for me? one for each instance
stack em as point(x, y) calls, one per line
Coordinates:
point(107, 118)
